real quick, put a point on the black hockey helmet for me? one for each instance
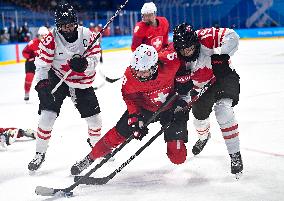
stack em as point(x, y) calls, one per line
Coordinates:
point(65, 14)
point(184, 36)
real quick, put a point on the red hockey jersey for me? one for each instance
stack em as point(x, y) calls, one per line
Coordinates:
point(150, 35)
point(150, 95)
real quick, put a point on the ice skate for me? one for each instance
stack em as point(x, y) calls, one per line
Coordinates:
point(199, 145)
point(35, 164)
point(236, 164)
point(78, 167)
point(27, 97)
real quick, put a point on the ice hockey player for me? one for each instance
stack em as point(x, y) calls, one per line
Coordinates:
point(30, 52)
point(148, 82)
point(152, 30)
point(207, 53)
point(9, 136)
point(61, 51)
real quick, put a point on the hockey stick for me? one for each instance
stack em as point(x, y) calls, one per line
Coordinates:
point(110, 80)
point(45, 191)
point(91, 45)
point(104, 180)
point(106, 25)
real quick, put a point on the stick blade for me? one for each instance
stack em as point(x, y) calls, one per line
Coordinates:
point(92, 180)
point(110, 80)
point(44, 191)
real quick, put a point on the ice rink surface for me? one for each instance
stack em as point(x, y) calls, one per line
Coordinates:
point(151, 176)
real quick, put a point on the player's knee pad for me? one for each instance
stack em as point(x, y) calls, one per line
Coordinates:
point(176, 151)
point(94, 121)
point(94, 128)
point(47, 119)
point(201, 124)
point(224, 111)
point(202, 128)
point(113, 138)
point(45, 125)
point(105, 145)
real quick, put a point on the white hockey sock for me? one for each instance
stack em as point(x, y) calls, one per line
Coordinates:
point(45, 125)
point(226, 119)
point(202, 128)
point(94, 128)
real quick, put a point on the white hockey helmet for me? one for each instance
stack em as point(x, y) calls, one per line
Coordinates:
point(42, 31)
point(148, 8)
point(144, 59)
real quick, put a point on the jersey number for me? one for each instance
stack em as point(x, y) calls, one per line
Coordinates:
point(46, 40)
point(172, 56)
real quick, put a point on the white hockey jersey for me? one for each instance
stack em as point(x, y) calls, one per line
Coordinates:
point(213, 41)
point(55, 53)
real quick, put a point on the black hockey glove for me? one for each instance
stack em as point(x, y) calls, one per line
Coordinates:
point(179, 109)
point(136, 126)
point(78, 63)
point(220, 65)
point(183, 83)
point(44, 92)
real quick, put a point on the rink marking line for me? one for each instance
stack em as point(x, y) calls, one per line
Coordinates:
point(264, 152)
point(259, 151)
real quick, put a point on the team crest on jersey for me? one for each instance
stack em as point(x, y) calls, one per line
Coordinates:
point(157, 42)
point(158, 97)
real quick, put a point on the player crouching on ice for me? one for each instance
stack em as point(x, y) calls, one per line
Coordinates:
point(9, 135)
point(148, 82)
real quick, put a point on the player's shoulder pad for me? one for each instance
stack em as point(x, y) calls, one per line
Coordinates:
point(139, 29)
point(162, 20)
point(128, 86)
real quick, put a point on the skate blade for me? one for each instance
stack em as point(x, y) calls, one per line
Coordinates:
point(238, 175)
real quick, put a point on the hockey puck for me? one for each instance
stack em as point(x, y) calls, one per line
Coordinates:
point(68, 194)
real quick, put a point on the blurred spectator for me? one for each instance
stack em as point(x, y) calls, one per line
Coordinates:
point(106, 32)
point(117, 30)
point(13, 32)
point(5, 36)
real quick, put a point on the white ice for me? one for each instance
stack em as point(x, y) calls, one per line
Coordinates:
point(151, 176)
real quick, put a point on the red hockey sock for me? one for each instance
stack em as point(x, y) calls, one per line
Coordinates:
point(28, 81)
point(105, 145)
point(176, 151)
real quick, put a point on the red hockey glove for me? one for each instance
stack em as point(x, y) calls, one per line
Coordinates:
point(136, 126)
point(78, 63)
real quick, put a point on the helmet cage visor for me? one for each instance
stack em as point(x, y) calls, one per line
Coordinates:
point(145, 75)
